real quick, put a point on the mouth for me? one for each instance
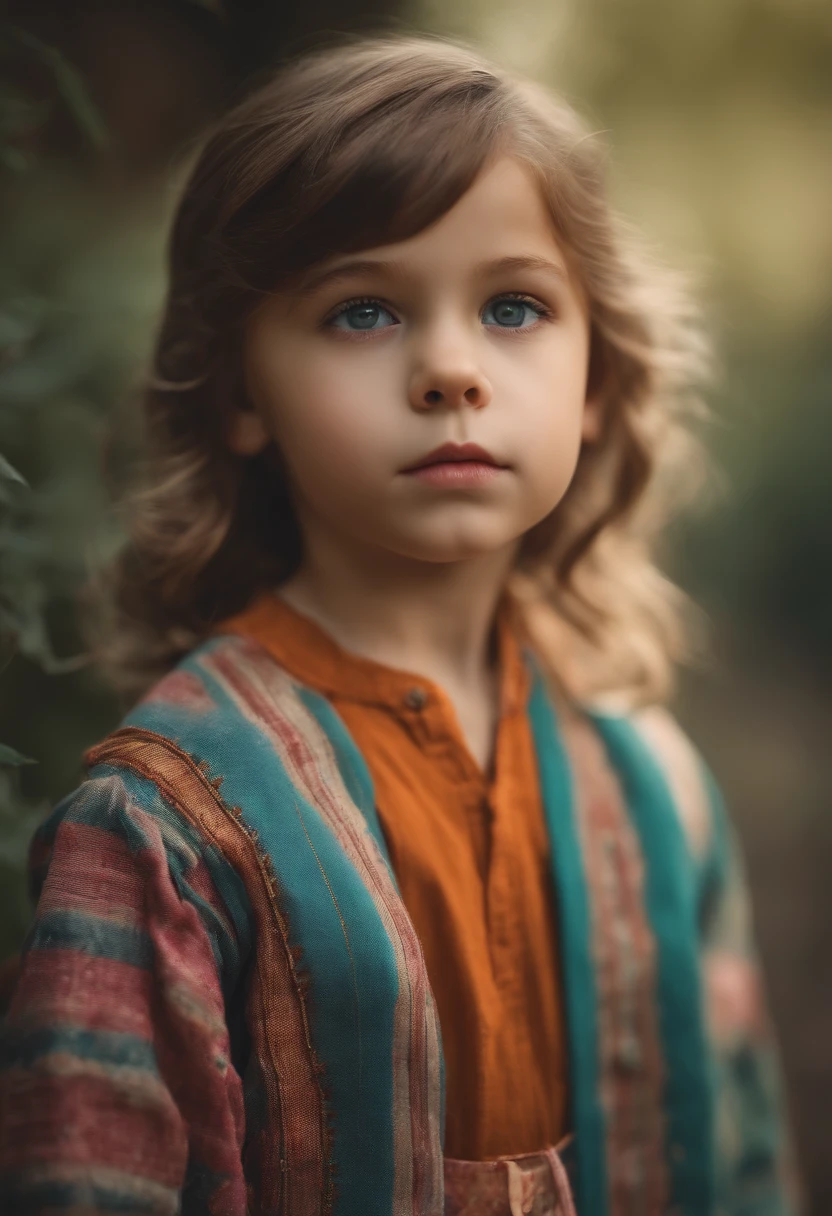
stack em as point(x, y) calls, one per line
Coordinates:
point(455, 453)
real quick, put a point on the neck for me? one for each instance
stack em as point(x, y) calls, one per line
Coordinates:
point(432, 618)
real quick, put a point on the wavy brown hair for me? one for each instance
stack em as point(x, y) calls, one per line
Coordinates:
point(356, 146)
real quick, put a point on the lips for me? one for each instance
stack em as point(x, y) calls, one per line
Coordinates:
point(450, 453)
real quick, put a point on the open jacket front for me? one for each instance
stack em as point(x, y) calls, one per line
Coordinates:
point(224, 1006)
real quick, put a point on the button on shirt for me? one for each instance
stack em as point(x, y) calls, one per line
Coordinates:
point(471, 856)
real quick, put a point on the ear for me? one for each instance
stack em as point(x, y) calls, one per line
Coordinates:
point(246, 435)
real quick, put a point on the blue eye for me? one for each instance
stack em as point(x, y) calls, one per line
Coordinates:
point(361, 316)
point(511, 312)
point(369, 315)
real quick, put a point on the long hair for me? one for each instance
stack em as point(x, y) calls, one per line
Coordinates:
point(359, 145)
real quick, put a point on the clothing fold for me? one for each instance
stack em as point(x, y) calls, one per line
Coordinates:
point(225, 1006)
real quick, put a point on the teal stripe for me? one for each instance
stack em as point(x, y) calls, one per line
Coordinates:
point(351, 765)
point(34, 1198)
point(671, 907)
point(713, 870)
point(359, 782)
point(65, 929)
point(580, 994)
point(22, 1048)
point(331, 915)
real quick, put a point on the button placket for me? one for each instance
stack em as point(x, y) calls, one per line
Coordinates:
point(429, 716)
point(416, 714)
point(416, 698)
point(502, 898)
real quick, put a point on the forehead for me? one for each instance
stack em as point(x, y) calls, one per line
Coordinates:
point(505, 204)
point(503, 218)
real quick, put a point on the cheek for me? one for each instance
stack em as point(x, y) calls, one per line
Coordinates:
point(336, 430)
point(313, 409)
point(553, 387)
point(555, 409)
point(326, 423)
point(554, 455)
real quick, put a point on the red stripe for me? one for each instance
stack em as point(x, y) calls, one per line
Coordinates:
point(91, 1121)
point(624, 953)
point(136, 1121)
point(182, 950)
point(93, 871)
point(191, 1033)
point(180, 688)
point(179, 1006)
point(70, 987)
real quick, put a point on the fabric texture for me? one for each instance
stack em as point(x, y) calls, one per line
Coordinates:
point(224, 1006)
point(471, 856)
point(119, 1093)
point(530, 1184)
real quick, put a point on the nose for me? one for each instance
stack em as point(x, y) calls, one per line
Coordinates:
point(450, 381)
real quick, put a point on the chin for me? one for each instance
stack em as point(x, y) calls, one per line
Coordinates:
point(444, 549)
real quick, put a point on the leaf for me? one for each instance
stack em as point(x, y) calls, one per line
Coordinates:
point(68, 83)
point(10, 757)
point(77, 100)
point(9, 473)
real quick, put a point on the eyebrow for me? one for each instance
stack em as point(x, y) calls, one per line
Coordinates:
point(323, 277)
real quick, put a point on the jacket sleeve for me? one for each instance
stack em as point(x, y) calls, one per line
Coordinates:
point(754, 1164)
point(755, 1172)
point(117, 1089)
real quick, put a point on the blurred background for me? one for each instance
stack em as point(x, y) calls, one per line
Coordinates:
point(719, 117)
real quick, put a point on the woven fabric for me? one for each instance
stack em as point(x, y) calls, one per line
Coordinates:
point(223, 1006)
point(471, 856)
point(119, 1093)
point(530, 1184)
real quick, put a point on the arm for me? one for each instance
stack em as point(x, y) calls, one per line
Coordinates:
point(117, 1090)
point(753, 1155)
point(755, 1170)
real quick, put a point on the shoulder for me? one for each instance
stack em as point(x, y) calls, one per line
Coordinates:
point(203, 683)
point(224, 743)
point(223, 706)
point(250, 725)
point(149, 799)
point(119, 840)
point(632, 736)
point(684, 771)
point(227, 683)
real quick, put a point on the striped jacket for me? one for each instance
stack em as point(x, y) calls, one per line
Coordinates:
point(224, 1009)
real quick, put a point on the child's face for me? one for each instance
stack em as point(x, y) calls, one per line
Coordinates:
point(433, 352)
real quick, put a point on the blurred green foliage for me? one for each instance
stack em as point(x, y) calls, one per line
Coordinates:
point(28, 559)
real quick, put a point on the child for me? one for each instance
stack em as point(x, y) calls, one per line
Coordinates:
point(408, 769)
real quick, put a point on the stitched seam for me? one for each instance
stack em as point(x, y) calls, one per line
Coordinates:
point(123, 748)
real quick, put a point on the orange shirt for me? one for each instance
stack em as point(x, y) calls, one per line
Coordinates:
point(471, 857)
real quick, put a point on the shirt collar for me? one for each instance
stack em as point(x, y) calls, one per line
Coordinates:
point(314, 658)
